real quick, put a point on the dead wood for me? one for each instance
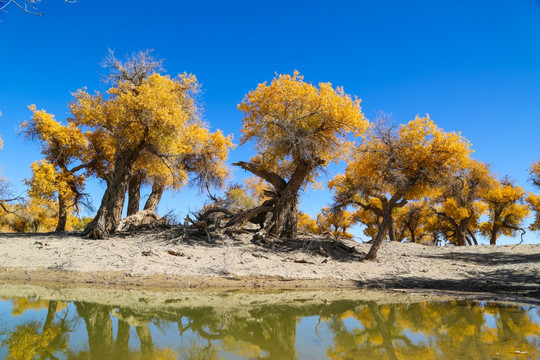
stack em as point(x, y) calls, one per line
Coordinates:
point(239, 220)
point(175, 253)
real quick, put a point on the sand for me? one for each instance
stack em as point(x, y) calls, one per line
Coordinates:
point(162, 260)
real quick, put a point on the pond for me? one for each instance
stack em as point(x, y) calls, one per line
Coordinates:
point(54, 323)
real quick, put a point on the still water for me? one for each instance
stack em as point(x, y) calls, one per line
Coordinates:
point(55, 324)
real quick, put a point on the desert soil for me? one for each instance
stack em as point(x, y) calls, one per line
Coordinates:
point(162, 260)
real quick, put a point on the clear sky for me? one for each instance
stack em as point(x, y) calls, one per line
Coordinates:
point(474, 66)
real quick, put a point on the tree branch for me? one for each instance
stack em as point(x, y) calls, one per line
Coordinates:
point(273, 178)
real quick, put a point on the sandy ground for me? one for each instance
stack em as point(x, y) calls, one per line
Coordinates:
point(162, 260)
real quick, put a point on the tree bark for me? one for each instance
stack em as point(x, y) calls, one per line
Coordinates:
point(62, 213)
point(461, 237)
point(286, 216)
point(112, 203)
point(392, 230)
point(286, 211)
point(158, 187)
point(134, 193)
point(387, 217)
point(493, 235)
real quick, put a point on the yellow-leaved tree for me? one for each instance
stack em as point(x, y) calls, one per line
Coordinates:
point(143, 114)
point(298, 128)
point(335, 221)
point(506, 209)
point(398, 164)
point(533, 200)
point(459, 206)
point(415, 222)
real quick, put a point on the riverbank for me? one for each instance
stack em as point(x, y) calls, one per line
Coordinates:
point(162, 260)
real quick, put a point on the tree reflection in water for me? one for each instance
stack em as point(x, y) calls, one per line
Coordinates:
point(450, 330)
point(354, 330)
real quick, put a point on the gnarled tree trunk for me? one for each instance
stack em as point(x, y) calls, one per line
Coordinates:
point(158, 187)
point(286, 216)
point(286, 211)
point(134, 193)
point(112, 203)
point(285, 221)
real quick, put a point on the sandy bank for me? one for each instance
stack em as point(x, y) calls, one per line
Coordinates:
point(163, 261)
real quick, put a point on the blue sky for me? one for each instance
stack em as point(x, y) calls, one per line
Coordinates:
point(474, 66)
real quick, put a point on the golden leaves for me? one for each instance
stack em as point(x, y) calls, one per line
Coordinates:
point(291, 118)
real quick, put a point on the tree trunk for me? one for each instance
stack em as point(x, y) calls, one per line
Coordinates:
point(461, 237)
point(110, 210)
point(493, 235)
point(285, 221)
point(413, 235)
point(286, 216)
point(155, 196)
point(387, 218)
point(286, 210)
point(392, 230)
point(134, 193)
point(62, 213)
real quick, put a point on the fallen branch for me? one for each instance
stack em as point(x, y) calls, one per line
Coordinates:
point(239, 220)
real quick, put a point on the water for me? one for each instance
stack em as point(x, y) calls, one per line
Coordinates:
point(102, 324)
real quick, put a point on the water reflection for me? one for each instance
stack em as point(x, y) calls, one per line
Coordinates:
point(344, 329)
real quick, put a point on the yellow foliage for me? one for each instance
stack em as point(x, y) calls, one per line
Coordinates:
point(408, 161)
point(337, 222)
point(534, 203)
point(291, 120)
point(160, 117)
point(36, 215)
point(20, 305)
point(505, 209)
point(241, 348)
point(396, 165)
point(370, 220)
point(460, 204)
point(307, 224)
point(27, 342)
point(256, 187)
point(532, 199)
